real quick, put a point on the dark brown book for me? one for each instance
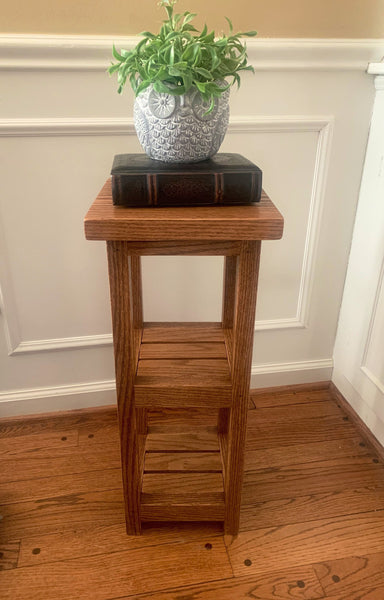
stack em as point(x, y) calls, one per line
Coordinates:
point(224, 179)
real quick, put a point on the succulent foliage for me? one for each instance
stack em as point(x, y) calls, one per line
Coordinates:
point(180, 57)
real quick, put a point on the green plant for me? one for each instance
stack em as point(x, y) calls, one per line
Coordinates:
point(180, 57)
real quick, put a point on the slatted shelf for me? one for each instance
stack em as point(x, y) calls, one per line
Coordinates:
point(183, 365)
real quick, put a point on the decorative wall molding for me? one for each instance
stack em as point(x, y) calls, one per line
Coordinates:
point(93, 53)
point(248, 124)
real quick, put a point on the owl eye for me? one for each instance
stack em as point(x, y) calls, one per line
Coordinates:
point(161, 105)
point(200, 107)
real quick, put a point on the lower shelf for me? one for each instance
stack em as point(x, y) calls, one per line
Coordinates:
point(182, 477)
point(183, 365)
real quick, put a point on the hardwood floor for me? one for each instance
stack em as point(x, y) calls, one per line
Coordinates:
point(312, 523)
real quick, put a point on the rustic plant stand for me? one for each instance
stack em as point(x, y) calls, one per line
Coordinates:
point(183, 365)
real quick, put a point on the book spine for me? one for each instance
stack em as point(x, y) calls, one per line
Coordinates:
point(186, 189)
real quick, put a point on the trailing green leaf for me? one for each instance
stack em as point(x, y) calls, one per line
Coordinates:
point(179, 57)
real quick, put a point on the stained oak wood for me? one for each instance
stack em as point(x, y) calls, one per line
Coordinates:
point(126, 350)
point(353, 577)
point(107, 222)
point(168, 248)
point(182, 332)
point(299, 583)
point(183, 461)
point(183, 382)
point(183, 350)
point(70, 533)
point(306, 542)
point(246, 289)
point(9, 555)
point(133, 572)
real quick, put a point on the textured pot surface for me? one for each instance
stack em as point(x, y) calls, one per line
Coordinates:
point(176, 128)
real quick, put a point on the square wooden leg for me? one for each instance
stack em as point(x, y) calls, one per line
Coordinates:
point(126, 346)
point(241, 361)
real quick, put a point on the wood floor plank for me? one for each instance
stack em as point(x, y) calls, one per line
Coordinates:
point(311, 507)
point(299, 583)
point(120, 573)
point(45, 488)
point(9, 555)
point(307, 410)
point(27, 444)
point(281, 398)
point(61, 513)
point(311, 452)
point(60, 460)
point(305, 543)
point(302, 431)
point(101, 539)
point(323, 476)
point(58, 421)
point(359, 577)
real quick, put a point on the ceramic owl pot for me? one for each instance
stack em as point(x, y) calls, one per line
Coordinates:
point(177, 128)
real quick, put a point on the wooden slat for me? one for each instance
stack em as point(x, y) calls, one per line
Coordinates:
point(190, 372)
point(187, 485)
point(182, 332)
point(126, 572)
point(207, 507)
point(197, 248)
point(182, 461)
point(183, 383)
point(107, 222)
point(203, 440)
point(151, 396)
point(180, 350)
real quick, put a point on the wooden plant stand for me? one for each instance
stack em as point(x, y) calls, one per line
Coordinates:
point(183, 365)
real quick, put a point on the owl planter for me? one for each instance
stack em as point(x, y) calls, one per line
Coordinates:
point(181, 80)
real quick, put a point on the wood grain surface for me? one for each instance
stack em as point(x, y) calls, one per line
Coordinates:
point(312, 518)
point(107, 222)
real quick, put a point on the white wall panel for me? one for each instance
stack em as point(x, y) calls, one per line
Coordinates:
point(359, 348)
point(304, 122)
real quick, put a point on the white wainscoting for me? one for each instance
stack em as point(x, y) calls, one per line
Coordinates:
point(359, 348)
point(303, 118)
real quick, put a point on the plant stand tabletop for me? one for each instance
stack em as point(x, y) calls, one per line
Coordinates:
point(191, 476)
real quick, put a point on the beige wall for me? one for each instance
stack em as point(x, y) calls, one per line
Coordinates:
point(271, 18)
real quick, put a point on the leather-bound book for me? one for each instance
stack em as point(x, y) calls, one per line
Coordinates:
point(224, 179)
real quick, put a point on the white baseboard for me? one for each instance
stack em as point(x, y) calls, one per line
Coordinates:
point(52, 399)
point(276, 374)
point(365, 412)
point(102, 393)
